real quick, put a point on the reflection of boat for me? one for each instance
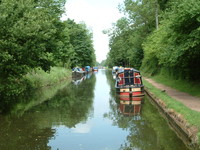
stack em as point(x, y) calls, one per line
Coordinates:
point(129, 83)
point(114, 76)
point(77, 81)
point(77, 72)
point(130, 108)
point(132, 99)
point(88, 75)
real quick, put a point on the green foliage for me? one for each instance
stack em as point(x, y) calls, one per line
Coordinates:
point(176, 44)
point(27, 33)
point(129, 33)
point(81, 40)
point(12, 90)
point(39, 78)
point(166, 78)
point(33, 36)
point(63, 50)
point(124, 49)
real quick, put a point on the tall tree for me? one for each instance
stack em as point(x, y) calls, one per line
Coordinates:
point(27, 34)
point(81, 40)
point(131, 31)
point(176, 44)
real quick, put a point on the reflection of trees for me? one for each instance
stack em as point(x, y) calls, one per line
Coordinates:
point(23, 134)
point(20, 104)
point(33, 128)
point(111, 82)
point(69, 106)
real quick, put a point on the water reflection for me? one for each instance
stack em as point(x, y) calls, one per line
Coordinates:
point(146, 128)
point(32, 130)
point(78, 80)
point(87, 116)
point(130, 108)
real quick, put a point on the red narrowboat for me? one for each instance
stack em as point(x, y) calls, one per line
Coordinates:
point(129, 83)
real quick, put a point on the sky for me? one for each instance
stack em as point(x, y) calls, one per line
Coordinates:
point(98, 15)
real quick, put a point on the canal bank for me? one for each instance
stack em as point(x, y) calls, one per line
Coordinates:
point(178, 113)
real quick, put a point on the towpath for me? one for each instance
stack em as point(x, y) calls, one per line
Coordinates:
point(190, 101)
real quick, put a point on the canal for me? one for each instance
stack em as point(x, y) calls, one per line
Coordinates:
point(84, 115)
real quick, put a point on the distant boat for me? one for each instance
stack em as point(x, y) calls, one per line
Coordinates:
point(129, 83)
point(95, 69)
point(115, 70)
point(77, 72)
point(88, 69)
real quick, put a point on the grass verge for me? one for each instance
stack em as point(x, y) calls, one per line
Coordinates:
point(39, 78)
point(189, 87)
point(191, 116)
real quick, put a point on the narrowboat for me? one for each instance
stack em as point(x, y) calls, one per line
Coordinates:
point(129, 83)
point(115, 69)
point(95, 69)
point(87, 69)
point(77, 72)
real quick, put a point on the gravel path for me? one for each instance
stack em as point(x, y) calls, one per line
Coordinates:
point(190, 101)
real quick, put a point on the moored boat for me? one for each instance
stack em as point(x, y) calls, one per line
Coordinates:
point(115, 69)
point(129, 83)
point(88, 69)
point(77, 72)
point(95, 69)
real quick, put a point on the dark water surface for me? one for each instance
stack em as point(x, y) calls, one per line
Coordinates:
point(84, 116)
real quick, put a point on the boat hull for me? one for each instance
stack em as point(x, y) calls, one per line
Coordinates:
point(130, 91)
point(76, 74)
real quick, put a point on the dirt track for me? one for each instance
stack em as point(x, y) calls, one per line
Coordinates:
point(190, 101)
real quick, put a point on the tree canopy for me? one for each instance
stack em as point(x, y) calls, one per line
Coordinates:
point(157, 36)
point(32, 35)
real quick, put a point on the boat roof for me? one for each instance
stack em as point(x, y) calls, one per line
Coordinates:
point(131, 69)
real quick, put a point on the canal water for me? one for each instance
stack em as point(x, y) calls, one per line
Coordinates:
point(84, 115)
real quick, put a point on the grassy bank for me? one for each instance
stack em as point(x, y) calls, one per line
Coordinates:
point(39, 78)
point(189, 87)
point(192, 117)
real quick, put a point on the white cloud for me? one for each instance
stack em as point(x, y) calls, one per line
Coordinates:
point(98, 15)
point(82, 128)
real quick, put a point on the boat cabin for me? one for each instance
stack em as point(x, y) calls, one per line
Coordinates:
point(129, 83)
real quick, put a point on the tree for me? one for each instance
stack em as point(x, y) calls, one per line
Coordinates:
point(63, 51)
point(176, 44)
point(27, 35)
point(130, 32)
point(81, 40)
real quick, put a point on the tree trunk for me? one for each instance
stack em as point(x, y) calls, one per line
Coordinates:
point(156, 13)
